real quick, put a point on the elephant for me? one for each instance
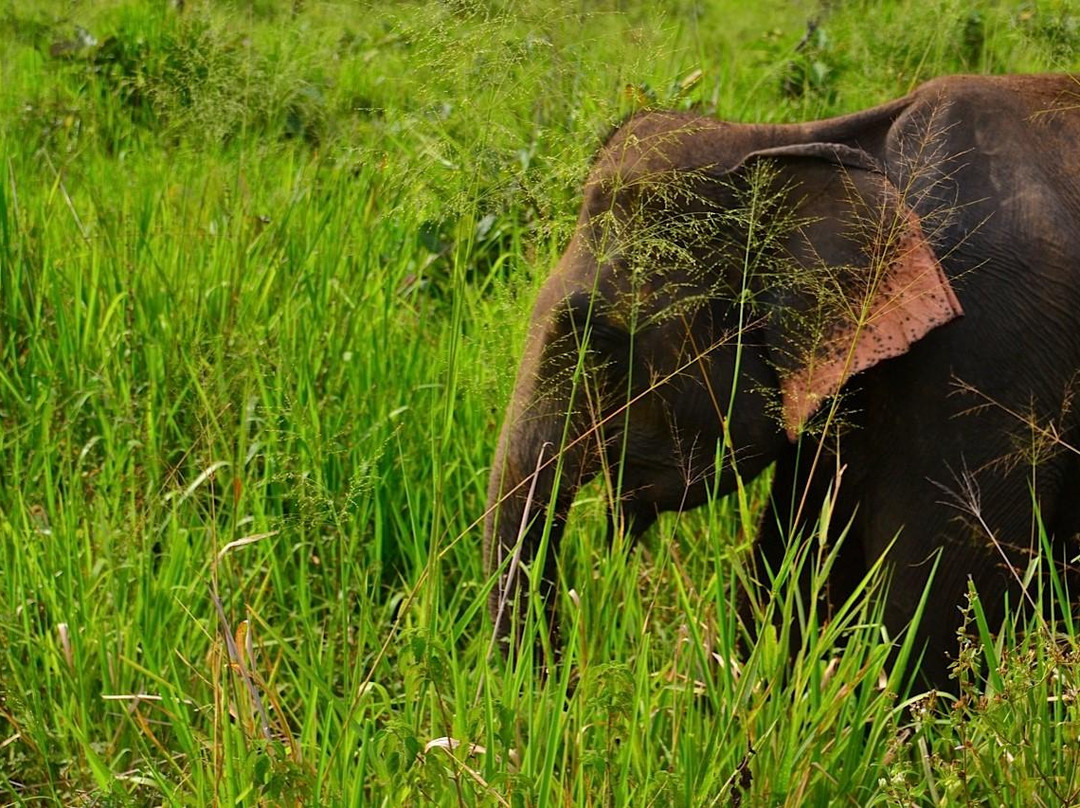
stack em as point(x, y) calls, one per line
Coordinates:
point(894, 293)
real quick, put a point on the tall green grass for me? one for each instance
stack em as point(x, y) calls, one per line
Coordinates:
point(265, 269)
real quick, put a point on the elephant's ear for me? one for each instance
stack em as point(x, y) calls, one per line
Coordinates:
point(866, 282)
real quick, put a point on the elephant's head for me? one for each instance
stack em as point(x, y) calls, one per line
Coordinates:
point(721, 284)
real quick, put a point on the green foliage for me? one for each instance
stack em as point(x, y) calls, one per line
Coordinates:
point(265, 272)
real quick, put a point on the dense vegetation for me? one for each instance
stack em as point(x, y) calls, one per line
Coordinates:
point(264, 273)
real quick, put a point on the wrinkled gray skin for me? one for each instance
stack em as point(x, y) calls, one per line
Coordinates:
point(991, 166)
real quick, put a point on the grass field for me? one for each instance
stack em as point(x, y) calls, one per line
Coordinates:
point(265, 269)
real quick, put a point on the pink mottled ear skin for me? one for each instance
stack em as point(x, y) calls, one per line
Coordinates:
point(912, 298)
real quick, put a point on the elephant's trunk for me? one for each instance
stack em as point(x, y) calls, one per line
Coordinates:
point(546, 451)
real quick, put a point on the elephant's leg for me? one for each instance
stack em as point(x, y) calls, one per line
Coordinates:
point(800, 486)
point(987, 541)
point(629, 519)
point(1064, 525)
